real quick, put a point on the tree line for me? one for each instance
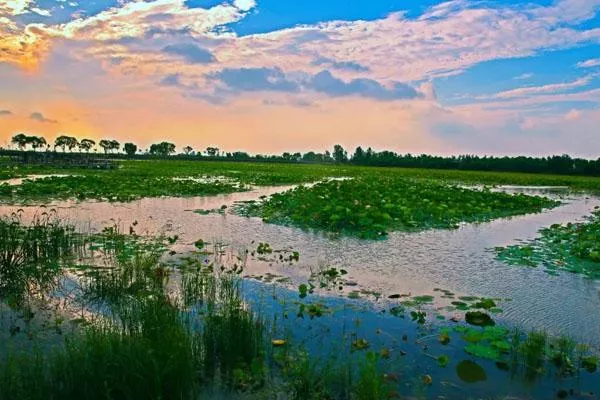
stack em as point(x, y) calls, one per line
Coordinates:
point(110, 146)
point(558, 164)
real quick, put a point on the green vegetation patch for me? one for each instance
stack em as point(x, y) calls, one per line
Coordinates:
point(371, 207)
point(573, 247)
point(113, 187)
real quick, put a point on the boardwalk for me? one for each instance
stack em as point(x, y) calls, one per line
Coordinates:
point(57, 160)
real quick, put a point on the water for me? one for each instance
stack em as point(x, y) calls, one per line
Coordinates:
point(461, 260)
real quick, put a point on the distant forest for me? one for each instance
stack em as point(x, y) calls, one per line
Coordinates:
point(71, 147)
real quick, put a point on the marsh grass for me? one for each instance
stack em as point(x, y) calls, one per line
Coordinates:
point(32, 256)
point(148, 338)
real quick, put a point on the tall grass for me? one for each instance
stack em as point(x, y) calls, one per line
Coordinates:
point(141, 344)
point(31, 255)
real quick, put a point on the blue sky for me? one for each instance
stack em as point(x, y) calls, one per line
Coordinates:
point(430, 76)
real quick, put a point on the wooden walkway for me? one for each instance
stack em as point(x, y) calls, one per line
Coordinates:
point(57, 160)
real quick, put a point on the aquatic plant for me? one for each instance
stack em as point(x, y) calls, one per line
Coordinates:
point(479, 318)
point(370, 208)
point(113, 186)
point(572, 247)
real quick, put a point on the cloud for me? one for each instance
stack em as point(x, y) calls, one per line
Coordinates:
point(567, 11)
point(190, 52)
point(325, 82)
point(523, 76)
point(455, 35)
point(175, 80)
point(245, 5)
point(133, 19)
point(5, 113)
point(594, 62)
point(37, 116)
point(341, 65)
point(275, 80)
point(43, 13)
point(427, 89)
point(14, 7)
point(550, 88)
point(171, 80)
point(254, 80)
point(572, 115)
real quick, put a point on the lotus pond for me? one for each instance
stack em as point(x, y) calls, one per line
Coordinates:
point(371, 207)
point(201, 298)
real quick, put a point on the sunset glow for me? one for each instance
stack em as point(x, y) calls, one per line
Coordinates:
point(267, 76)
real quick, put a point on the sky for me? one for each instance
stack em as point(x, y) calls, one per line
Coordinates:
point(267, 76)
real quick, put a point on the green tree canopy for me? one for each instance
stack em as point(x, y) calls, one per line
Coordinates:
point(86, 144)
point(66, 142)
point(162, 149)
point(130, 148)
point(212, 151)
point(339, 154)
point(20, 140)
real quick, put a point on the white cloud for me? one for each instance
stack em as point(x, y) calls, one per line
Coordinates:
point(245, 5)
point(444, 41)
point(39, 11)
point(523, 76)
point(133, 19)
point(550, 88)
point(594, 62)
point(568, 11)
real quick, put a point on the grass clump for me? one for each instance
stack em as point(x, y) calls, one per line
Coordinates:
point(31, 255)
point(370, 208)
point(145, 341)
point(572, 247)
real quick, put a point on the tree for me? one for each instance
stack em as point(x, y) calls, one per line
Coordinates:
point(188, 150)
point(37, 142)
point(359, 156)
point(212, 151)
point(66, 142)
point(86, 144)
point(21, 140)
point(339, 154)
point(114, 145)
point(162, 149)
point(106, 145)
point(109, 145)
point(130, 149)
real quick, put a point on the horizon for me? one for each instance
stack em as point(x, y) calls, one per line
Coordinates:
point(179, 151)
point(442, 78)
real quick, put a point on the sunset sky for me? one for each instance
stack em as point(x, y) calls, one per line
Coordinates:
point(267, 76)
